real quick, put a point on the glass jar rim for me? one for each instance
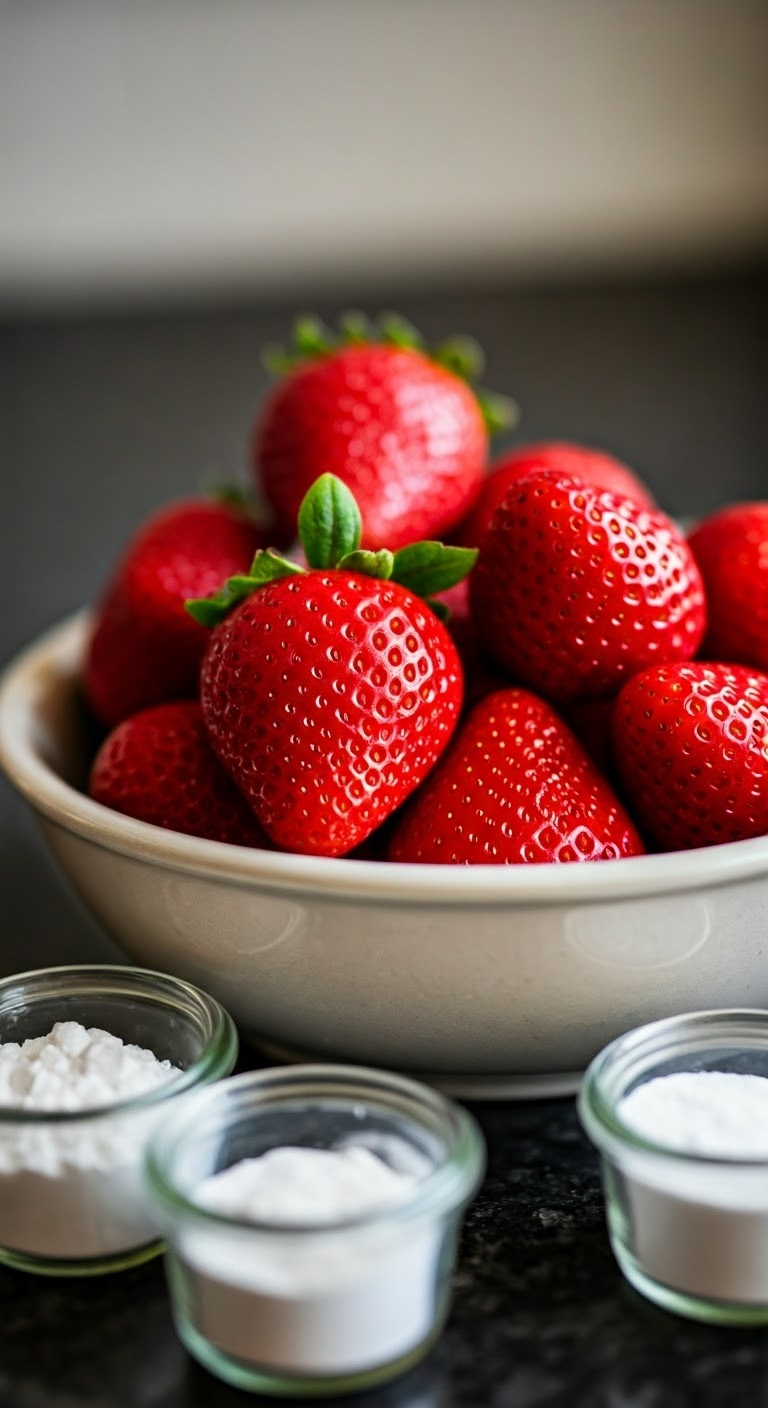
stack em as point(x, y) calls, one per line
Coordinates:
point(637, 1051)
point(448, 1186)
point(115, 979)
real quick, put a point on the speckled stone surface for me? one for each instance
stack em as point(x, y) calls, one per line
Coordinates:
point(541, 1319)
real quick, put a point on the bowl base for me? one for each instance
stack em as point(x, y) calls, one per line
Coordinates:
point(460, 1086)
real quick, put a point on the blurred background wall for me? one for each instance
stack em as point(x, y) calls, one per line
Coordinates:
point(582, 184)
point(182, 146)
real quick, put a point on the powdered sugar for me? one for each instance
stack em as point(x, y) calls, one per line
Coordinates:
point(304, 1187)
point(71, 1189)
point(720, 1114)
point(328, 1299)
point(695, 1226)
point(76, 1068)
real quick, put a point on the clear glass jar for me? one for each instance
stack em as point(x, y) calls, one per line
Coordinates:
point(690, 1232)
point(72, 1201)
point(308, 1310)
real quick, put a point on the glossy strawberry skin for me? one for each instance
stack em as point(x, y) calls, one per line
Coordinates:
point(158, 766)
point(595, 467)
point(405, 435)
point(144, 647)
point(328, 697)
point(575, 590)
point(515, 788)
point(731, 549)
point(691, 745)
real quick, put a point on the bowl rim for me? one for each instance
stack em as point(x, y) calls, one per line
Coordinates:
point(52, 662)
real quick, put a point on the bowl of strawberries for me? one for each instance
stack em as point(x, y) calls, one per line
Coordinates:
point(457, 770)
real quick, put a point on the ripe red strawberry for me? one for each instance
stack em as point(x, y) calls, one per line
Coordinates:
point(516, 787)
point(158, 767)
point(145, 648)
point(595, 467)
point(691, 744)
point(399, 425)
point(329, 693)
point(480, 678)
point(590, 720)
point(576, 589)
point(731, 549)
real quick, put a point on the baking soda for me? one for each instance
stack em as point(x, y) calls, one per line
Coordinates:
point(72, 1189)
point(329, 1300)
point(698, 1227)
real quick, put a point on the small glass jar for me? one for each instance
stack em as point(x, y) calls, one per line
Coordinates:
point(72, 1201)
point(304, 1310)
point(689, 1231)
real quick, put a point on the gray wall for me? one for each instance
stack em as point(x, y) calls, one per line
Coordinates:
point(181, 143)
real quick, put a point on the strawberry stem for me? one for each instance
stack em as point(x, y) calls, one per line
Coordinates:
point(330, 529)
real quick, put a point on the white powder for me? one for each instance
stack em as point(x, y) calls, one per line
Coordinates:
point(304, 1187)
point(72, 1190)
point(716, 1113)
point(697, 1227)
point(335, 1301)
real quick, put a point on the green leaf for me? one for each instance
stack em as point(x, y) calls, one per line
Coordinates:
point(277, 361)
point(311, 338)
point(207, 610)
point(499, 412)
point(461, 355)
point(267, 566)
point(438, 609)
point(369, 564)
point(398, 332)
point(210, 610)
point(329, 522)
point(429, 568)
point(356, 329)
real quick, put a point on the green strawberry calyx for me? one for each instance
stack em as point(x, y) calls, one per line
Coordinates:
point(330, 529)
point(462, 356)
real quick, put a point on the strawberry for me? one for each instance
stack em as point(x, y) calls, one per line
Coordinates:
point(158, 766)
point(329, 692)
point(595, 467)
point(399, 425)
point(480, 678)
point(516, 787)
point(590, 720)
point(576, 589)
point(144, 647)
point(731, 549)
point(691, 744)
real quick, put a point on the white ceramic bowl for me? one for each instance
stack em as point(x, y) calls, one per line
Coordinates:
point(490, 979)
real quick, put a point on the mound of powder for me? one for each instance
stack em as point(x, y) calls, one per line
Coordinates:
point(76, 1068)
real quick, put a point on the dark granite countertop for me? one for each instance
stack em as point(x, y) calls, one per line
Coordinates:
point(541, 1319)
